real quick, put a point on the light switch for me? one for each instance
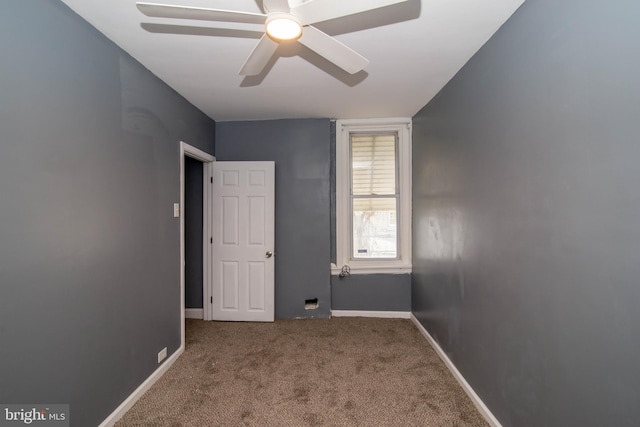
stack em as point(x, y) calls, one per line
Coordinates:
point(176, 210)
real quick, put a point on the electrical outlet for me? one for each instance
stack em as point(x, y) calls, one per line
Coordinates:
point(162, 354)
point(176, 210)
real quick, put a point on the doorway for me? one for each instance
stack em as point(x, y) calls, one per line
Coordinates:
point(193, 232)
point(189, 155)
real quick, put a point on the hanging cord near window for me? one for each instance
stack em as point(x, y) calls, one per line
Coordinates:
point(345, 272)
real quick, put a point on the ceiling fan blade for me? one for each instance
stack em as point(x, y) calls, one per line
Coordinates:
point(331, 49)
point(314, 11)
point(259, 57)
point(276, 6)
point(183, 12)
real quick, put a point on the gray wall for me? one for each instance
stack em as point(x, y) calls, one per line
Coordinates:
point(526, 207)
point(371, 292)
point(300, 149)
point(193, 230)
point(89, 248)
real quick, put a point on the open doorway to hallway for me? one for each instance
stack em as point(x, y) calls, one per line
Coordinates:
point(193, 235)
point(192, 158)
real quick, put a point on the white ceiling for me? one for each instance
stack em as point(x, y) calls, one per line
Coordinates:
point(415, 48)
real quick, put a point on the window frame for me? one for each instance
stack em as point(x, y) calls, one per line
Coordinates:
point(344, 217)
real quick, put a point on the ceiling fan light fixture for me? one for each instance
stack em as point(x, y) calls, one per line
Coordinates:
point(283, 27)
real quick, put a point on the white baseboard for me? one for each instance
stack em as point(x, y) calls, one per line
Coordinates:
point(479, 404)
point(194, 313)
point(364, 313)
point(137, 394)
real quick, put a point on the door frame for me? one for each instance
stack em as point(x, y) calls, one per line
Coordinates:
point(207, 174)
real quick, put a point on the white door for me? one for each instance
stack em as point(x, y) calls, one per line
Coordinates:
point(243, 241)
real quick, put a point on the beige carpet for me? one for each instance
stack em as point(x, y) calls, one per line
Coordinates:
point(337, 372)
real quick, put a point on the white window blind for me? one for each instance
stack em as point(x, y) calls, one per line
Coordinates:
point(374, 195)
point(373, 164)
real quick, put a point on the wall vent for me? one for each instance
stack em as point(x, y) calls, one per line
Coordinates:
point(311, 304)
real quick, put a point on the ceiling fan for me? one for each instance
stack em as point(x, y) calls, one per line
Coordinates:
point(284, 23)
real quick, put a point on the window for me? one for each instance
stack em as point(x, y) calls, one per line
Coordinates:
point(373, 190)
point(374, 195)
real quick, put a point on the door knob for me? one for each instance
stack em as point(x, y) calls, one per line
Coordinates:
point(269, 254)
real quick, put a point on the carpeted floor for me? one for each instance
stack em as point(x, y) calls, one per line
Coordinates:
point(337, 372)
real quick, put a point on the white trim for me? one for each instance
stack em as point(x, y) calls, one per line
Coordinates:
point(479, 404)
point(196, 153)
point(402, 126)
point(194, 313)
point(401, 269)
point(137, 394)
point(207, 252)
point(367, 313)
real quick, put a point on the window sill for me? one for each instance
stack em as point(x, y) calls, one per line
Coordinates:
point(373, 269)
